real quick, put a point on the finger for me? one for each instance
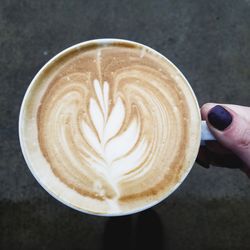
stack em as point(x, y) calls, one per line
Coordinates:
point(226, 161)
point(207, 158)
point(230, 126)
point(203, 157)
point(216, 147)
point(241, 110)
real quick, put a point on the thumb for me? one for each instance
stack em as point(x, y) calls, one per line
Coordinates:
point(230, 125)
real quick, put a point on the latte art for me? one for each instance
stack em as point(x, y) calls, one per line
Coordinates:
point(119, 152)
point(114, 126)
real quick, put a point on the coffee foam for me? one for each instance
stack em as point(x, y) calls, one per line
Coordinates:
point(110, 129)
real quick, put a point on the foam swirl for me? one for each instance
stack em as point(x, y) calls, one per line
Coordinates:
point(113, 125)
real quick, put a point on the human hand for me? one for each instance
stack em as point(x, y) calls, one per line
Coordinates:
point(230, 124)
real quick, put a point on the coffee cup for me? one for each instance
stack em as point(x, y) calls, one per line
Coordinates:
point(110, 127)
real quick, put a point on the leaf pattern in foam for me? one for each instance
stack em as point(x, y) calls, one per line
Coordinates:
point(122, 144)
point(96, 117)
point(120, 153)
point(91, 138)
point(115, 120)
point(99, 94)
point(130, 162)
point(106, 98)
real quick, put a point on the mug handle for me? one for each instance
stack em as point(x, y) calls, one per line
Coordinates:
point(206, 135)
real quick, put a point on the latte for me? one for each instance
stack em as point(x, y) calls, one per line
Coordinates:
point(110, 128)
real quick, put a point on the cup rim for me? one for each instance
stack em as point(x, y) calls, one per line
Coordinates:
point(102, 41)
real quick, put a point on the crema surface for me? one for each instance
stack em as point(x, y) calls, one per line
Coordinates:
point(110, 129)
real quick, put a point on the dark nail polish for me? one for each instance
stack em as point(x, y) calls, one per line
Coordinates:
point(219, 117)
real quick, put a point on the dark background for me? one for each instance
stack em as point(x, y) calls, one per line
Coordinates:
point(210, 43)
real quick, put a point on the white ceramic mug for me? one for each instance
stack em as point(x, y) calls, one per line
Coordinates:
point(204, 131)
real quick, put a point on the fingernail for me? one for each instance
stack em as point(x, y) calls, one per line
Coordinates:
point(219, 117)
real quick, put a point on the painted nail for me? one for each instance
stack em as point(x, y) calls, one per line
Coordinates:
point(219, 117)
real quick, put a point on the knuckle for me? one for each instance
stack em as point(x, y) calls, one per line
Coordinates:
point(243, 141)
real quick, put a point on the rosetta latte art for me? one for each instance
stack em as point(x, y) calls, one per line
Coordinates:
point(113, 126)
point(120, 153)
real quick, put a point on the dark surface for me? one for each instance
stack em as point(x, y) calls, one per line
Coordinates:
point(208, 40)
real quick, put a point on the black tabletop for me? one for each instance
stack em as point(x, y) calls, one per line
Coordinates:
point(209, 41)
